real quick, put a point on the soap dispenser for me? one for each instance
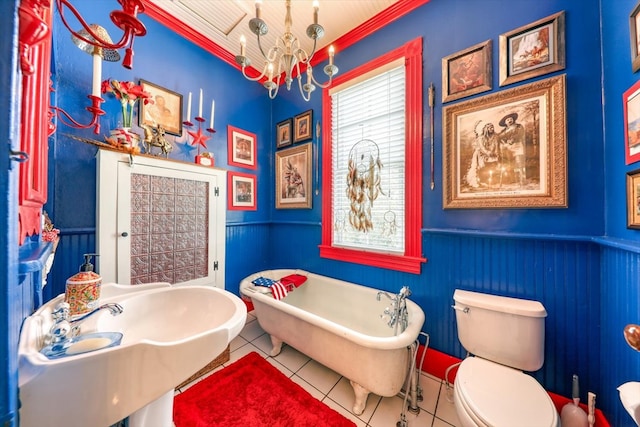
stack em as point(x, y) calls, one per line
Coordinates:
point(82, 291)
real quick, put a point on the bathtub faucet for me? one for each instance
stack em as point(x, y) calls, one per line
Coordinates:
point(397, 312)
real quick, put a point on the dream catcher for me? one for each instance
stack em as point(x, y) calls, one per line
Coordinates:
point(363, 183)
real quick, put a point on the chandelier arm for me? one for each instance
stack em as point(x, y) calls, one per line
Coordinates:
point(313, 51)
point(323, 86)
point(306, 97)
point(94, 109)
point(264, 55)
point(97, 40)
point(253, 79)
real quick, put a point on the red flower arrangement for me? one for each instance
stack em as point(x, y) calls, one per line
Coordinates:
point(128, 93)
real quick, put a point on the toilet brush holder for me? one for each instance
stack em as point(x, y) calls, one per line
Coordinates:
point(572, 415)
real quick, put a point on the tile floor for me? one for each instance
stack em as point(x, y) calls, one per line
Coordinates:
point(335, 391)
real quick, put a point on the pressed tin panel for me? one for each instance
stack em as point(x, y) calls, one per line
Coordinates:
point(169, 225)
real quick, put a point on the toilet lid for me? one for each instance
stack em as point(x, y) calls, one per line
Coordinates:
point(501, 396)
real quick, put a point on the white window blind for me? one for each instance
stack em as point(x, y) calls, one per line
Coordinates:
point(368, 161)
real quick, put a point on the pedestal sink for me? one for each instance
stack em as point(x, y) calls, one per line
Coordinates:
point(168, 333)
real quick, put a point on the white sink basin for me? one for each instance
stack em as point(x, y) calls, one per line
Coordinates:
point(169, 333)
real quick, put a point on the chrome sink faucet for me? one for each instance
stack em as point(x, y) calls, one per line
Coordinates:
point(64, 328)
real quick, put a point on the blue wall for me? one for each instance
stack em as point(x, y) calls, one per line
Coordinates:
point(581, 262)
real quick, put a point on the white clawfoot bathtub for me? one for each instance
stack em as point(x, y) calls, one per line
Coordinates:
point(339, 325)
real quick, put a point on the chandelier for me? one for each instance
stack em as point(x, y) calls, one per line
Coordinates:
point(286, 56)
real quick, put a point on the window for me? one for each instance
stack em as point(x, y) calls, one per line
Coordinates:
point(372, 156)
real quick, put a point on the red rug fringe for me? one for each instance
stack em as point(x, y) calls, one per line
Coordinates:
point(252, 392)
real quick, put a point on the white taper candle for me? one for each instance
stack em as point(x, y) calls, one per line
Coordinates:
point(213, 109)
point(189, 108)
point(97, 75)
point(200, 105)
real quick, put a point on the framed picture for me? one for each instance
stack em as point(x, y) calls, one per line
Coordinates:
point(507, 149)
point(283, 133)
point(302, 124)
point(165, 111)
point(293, 177)
point(467, 72)
point(241, 147)
point(634, 25)
point(631, 107)
point(533, 50)
point(241, 192)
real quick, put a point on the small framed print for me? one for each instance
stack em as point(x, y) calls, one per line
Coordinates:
point(634, 25)
point(532, 50)
point(467, 72)
point(302, 124)
point(283, 133)
point(241, 148)
point(165, 111)
point(633, 199)
point(241, 193)
point(631, 107)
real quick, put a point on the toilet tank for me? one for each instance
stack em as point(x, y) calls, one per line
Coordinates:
point(509, 331)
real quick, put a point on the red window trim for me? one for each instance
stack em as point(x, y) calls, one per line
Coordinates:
point(412, 259)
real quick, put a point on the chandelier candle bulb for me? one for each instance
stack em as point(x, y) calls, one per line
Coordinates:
point(331, 53)
point(200, 105)
point(270, 68)
point(258, 5)
point(189, 108)
point(316, 6)
point(243, 45)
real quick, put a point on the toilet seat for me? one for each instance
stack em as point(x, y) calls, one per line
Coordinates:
point(495, 395)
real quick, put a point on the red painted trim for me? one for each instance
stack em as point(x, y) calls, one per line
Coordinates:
point(35, 44)
point(412, 259)
point(382, 19)
point(392, 13)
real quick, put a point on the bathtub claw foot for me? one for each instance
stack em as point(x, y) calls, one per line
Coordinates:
point(277, 346)
point(361, 397)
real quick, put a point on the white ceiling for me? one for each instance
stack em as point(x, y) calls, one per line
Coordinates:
point(224, 21)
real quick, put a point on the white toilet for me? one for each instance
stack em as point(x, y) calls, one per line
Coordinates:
point(504, 337)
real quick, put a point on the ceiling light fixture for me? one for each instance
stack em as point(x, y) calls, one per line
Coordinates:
point(287, 55)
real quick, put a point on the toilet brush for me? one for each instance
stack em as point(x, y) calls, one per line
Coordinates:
point(572, 414)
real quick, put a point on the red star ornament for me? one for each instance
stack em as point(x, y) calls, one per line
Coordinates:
point(199, 138)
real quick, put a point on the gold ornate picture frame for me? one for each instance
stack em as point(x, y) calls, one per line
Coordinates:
point(533, 50)
point(507, 149)
point(633, 199)
point(634, 26)
point(467, 72)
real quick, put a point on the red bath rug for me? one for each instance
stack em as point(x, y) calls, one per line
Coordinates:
point(252, 393)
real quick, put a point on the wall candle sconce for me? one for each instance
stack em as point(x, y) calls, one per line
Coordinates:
point(92, 39)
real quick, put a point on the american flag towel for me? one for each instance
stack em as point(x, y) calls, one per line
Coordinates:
point(278, 290)
point(263, 281)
